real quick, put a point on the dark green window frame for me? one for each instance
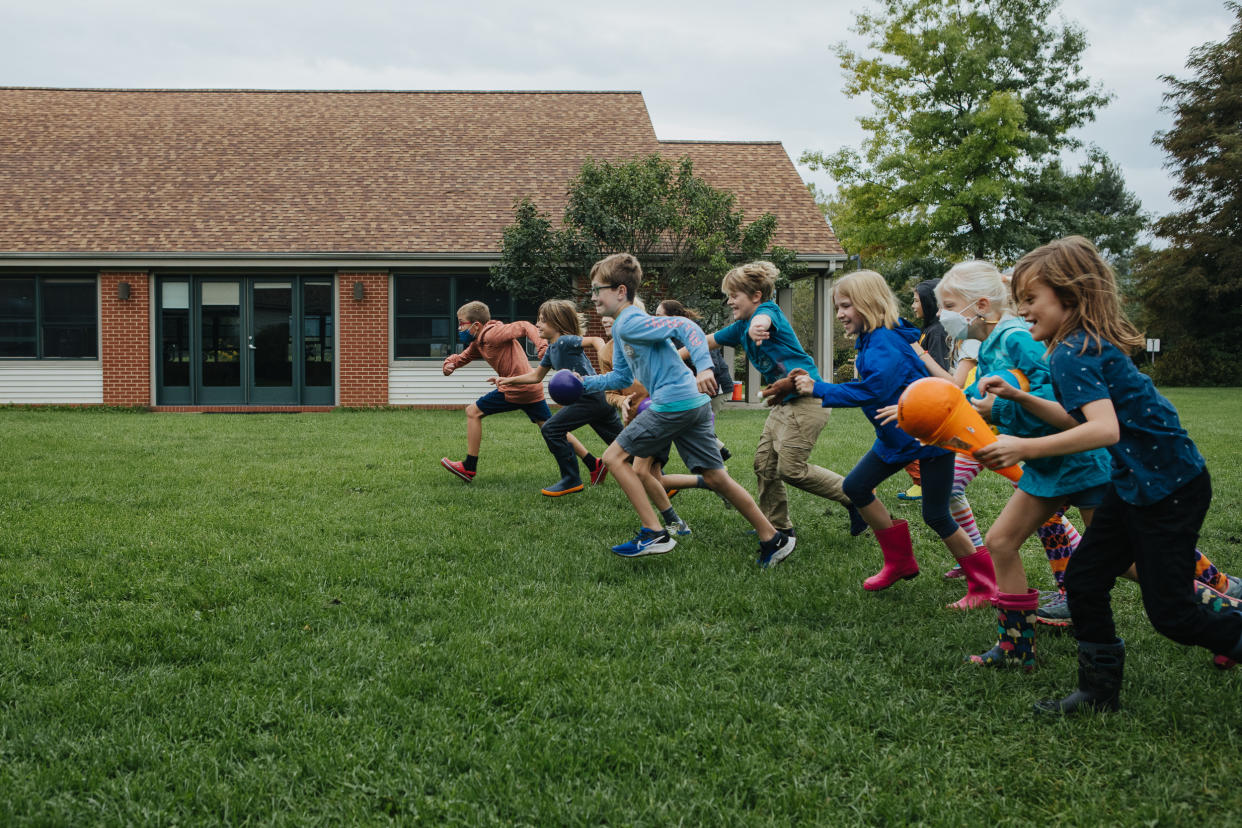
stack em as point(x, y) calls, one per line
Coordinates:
point(425, 311)
point(49, 317)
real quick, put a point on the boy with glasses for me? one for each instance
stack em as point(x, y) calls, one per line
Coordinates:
point(679, 414)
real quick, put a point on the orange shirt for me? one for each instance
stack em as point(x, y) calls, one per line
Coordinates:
point(498, 343)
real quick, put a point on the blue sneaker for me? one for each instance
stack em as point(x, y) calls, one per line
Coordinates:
point(646, 542)
point(776, 550)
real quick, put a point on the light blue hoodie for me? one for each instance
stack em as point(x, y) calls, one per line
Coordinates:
point(643, 348)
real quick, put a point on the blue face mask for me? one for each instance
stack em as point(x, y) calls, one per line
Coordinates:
point(465, 337)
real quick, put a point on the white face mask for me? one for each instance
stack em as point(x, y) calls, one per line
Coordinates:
point(954, 324)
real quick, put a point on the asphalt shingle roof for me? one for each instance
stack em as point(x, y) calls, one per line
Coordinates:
point(224, 171)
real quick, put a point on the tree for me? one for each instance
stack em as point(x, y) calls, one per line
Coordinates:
point(975, 103)
point(685, 233)
point(1192, 290)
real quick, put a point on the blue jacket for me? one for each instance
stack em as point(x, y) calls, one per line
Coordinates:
point(886, 364)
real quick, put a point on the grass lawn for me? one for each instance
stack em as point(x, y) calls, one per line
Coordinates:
point(279, 619)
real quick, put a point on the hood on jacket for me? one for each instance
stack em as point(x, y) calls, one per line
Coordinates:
point(926, 291)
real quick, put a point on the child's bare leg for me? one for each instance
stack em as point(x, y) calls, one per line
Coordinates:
point(579, 449)
point(876, 514)
point(733, 492)
point(628, 479)
point(649, 473)
point(1022, 516)
point(474, 429)
point(680, 481)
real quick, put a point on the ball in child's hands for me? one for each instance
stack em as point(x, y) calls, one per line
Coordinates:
point(565, 387)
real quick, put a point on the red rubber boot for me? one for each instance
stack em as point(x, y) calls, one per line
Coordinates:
point(898, 554)
point(980, 581)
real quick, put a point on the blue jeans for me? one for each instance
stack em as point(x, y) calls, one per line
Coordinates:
point(937, 476)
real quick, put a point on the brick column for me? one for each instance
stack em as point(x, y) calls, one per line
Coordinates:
point(125, 325)
point(362, 339)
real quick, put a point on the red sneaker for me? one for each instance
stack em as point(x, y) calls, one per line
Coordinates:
point(457, 469)
point(599, 472)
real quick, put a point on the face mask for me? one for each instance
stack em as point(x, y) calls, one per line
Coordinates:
point(954, 324)
point(465, 337)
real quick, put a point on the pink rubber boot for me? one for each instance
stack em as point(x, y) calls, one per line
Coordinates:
point(980, 581)
point(898, 554)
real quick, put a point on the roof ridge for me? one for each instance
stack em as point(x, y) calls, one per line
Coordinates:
point(326, 91)
point(705, 141)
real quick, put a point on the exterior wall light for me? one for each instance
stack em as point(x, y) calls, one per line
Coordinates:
point(122, 291)
point(359, 292)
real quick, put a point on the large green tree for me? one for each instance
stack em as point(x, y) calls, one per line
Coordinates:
point(685, 233)
point(1192, 289)
point(975, 104)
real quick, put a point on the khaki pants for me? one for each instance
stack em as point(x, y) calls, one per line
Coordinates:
point(788, 436)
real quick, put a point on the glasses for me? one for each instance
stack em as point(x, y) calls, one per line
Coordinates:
point(595, 289)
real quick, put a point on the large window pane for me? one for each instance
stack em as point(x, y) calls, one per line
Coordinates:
point(175, 333)
point(69, 326)
point(423, 295)
point(317, 338)
point(221, 334)
point(17, 318)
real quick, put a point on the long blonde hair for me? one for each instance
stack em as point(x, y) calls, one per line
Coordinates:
point(1087, 288)
point(872, 297)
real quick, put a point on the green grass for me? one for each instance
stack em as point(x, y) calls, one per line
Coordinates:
point(276, 619)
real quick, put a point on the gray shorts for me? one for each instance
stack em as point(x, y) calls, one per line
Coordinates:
point(692, 431)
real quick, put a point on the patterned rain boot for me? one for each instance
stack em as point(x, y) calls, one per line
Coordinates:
point(980, 581)
point(1100, 667)
point(898, 553)
point(1015, 632)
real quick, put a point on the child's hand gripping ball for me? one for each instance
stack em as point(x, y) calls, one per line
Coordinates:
point(782, 388)
point(565, 387)
point(935, 411)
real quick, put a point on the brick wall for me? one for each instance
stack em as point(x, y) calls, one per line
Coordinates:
point(125, 325)
point(362, 339)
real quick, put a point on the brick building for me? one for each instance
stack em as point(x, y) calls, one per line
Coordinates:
point(223, 249)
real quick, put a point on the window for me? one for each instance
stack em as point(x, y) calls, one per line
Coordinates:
point(425, 312)
point(46, 317)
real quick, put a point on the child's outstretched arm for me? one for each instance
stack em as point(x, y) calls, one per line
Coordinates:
point(454, 361)
point(1099, 431)
point(531, 377)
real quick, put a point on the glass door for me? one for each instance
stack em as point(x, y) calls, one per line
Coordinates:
point(220, 336)
point(270, 343)
point(245, 341)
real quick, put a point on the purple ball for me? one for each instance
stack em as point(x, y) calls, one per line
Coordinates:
point(565, 387)
point(643, 406)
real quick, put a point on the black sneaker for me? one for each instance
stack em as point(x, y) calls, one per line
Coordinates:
point(776, 550)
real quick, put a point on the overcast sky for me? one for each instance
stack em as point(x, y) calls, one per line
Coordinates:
point(708, 70)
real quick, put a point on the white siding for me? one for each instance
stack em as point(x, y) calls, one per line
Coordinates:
point(52, 382)
point(422, 383)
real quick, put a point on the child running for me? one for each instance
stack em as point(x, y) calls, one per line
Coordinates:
point(886, 365)
point(795, 421)
point(679, 412)
point(1160, 488)
point(559, 324)
point(974, 305)
point(498, 344)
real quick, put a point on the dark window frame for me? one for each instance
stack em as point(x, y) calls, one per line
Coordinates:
point(44, 319)
point(462, 288)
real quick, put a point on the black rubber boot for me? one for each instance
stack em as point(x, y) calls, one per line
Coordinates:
point(1099, 682)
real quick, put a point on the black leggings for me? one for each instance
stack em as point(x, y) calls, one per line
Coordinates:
point(937, 475)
